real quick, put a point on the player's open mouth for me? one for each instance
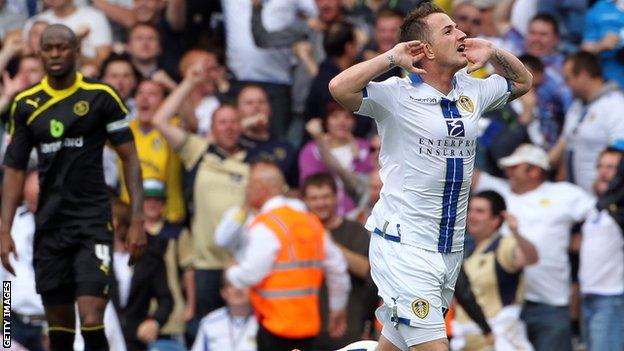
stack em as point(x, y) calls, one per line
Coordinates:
point(461, 48)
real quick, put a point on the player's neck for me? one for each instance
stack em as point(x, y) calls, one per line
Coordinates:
point(60, 83)
point(440, 79)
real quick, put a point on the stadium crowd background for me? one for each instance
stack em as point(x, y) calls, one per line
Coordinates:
point(265, 96)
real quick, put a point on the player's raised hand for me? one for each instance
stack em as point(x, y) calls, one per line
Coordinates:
point(478, 52)
point(7, 246)
point(406, 55)
point(136, 240)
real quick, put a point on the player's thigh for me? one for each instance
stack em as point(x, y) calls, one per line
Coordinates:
point(453, 262)
point(434, 345)
point(92, 262)
point(53, 255)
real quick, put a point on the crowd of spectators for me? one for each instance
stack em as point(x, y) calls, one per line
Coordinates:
point(214, 86)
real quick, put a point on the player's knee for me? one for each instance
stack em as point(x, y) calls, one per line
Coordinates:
point(91, 310)
point(91, 318)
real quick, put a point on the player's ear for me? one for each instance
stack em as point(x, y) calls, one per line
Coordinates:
point(428, 50)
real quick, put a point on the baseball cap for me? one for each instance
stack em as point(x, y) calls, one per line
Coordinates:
point(154, 188)
point(527, 153)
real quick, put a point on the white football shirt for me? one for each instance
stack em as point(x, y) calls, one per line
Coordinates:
point(545, 216)
point(427, 154)
point(589, 129)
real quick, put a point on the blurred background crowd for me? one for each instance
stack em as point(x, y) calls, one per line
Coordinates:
point(213, 86)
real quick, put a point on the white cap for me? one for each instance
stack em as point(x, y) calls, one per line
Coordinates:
point(527, 153)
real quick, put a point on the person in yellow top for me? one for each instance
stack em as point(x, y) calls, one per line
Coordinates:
point(158, 160)
point(218, 171)
point(494, 269)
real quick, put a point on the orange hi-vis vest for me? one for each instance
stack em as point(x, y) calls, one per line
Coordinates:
point(287, 300)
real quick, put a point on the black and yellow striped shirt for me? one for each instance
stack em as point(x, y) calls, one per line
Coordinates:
point(68, 128)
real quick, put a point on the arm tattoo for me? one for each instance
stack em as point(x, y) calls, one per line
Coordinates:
point(392, 61)
point(508, 71)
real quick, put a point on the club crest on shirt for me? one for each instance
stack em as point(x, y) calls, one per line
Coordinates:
point(81, 108)
point(466, 103)
point(544, 202)
point(420, 307)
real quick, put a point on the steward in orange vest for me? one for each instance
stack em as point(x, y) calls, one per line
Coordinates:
point(287, 300)
point(287, 252)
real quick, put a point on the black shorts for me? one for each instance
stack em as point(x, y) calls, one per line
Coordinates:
point(73, 261)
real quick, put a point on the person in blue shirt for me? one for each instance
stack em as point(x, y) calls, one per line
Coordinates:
point(604, 30)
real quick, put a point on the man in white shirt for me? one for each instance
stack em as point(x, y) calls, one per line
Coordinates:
point(593, 121)
point(546, 213)
point(428, 129)
point(89, 24)
point(270, 68)
point(601, 272)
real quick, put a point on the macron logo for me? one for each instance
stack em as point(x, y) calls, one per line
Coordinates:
point(455, 128)
point(427, 100)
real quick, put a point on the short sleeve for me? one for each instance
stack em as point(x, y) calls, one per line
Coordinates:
point(489, 182)
point(583, 203)
point(115, 111)
point(378, 99)
point(21, 142)
point(505, 253)
point(494, 92)
point(192, 150)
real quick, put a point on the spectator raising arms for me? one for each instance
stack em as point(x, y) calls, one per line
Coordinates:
point(334, 142)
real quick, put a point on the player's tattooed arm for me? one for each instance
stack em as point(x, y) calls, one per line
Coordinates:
point(391, 61)
point(510, 67)
point(479, 51)
point(346, 88)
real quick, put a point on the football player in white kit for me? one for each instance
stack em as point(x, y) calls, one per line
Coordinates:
point(428, 127)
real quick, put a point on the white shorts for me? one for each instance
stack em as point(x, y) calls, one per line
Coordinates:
point(417, 286)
